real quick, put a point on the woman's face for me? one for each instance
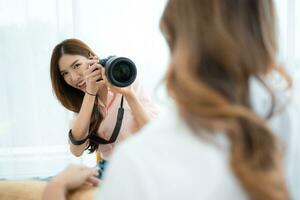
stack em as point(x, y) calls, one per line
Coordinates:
point(71, 68)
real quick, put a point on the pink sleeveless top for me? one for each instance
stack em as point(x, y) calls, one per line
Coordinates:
point(129, 124)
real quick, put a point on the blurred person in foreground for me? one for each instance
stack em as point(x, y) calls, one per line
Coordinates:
point(221, 138)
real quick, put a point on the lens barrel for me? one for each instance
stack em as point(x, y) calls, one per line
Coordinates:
point(120, 71)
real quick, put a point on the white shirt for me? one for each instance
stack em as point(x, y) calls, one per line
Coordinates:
point(129, 125)
point(168, 161)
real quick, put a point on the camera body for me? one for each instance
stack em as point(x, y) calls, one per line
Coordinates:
point(120, 71)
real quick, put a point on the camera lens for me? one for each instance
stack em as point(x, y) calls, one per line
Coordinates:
point(121, 72)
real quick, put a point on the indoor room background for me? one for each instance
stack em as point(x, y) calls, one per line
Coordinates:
point(33, 125)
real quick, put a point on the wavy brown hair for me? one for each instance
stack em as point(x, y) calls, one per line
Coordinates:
point(71, 98)
point(222, 44)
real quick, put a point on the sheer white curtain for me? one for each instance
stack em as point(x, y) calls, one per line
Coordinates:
point(33, 125)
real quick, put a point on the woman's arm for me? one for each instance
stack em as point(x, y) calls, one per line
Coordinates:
point(69, 179)
point(80, 127)
point(138, 110)
point(55, 189)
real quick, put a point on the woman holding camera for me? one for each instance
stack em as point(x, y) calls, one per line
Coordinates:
point(222, 141)
point(80, 84)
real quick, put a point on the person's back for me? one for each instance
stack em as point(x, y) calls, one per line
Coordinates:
point(217, 48)
point(168, 161)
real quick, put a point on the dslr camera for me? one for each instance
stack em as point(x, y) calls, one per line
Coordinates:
point(120, 71)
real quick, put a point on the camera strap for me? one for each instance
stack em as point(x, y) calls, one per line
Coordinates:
point(93, 136)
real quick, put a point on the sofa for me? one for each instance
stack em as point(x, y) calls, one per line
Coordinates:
point(33, 190)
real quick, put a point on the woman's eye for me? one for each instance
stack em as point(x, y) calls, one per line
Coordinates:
point(64, 73)
point(77, 65)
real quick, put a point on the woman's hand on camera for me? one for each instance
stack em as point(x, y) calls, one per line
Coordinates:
point(93, 76)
